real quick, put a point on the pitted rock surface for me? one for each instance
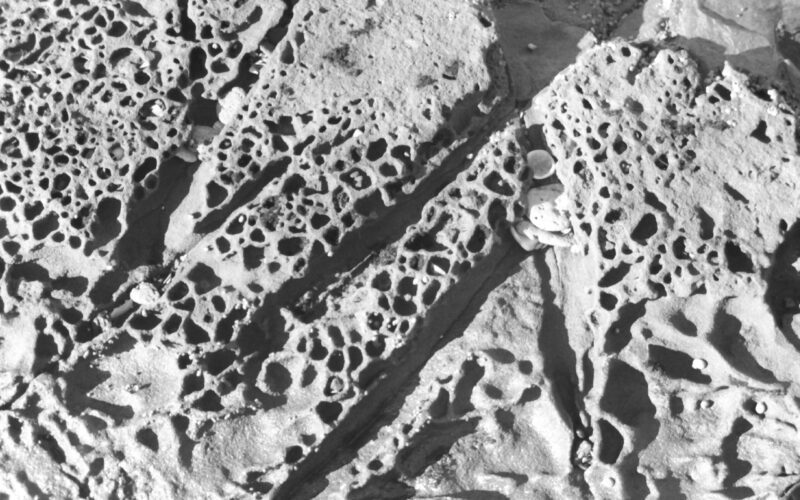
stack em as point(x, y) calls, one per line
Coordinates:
point(263, 249)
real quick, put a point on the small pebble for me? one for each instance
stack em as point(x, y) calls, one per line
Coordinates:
point(158, 109)
point(761, 408)
point(532, 47)
point(230, 105)
point(541, 163)
point(528, 243)
point(706, 404)
point(699, 364)
point(144, 294)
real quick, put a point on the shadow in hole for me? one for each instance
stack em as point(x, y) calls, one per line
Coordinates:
point(783, 284)
point(726, 337)
point(737, 468)
point(626, 396)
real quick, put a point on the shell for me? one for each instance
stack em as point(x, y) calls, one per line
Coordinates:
point(541, 163)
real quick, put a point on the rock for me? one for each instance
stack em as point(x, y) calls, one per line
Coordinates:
point(230, 105)
point(311, 201)
point(541, 164)
point(524, 237)
point(685, 261)
point(543, 209)
point(531, 233)
point(145, 294)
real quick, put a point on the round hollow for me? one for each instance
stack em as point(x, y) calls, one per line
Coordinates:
point(541, 163)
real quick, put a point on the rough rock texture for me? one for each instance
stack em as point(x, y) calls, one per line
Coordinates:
point(681, 194)
point(261, 249)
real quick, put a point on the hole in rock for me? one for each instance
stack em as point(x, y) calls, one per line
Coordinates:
point(760, 133)
point(679, 248)
point(471, 373)
point(706, 224)
point(45, 225)
point(611, 442)
point(252, 256)
point(106, 225)
point(291, 246)
point(738, 260)
point(376, 150)
point(336, 361)
point(478, 240)
point(210, 401)
point(608, 301)
point(215, 194)
point(722, 91)
point(293, 454)
point(277, 378)
point(614, 275)
point(329, 411)
point(148, 438)
point(675, 364)
point(204, 278)
point(217, 362)
point(647, 227)
point(735, 194)
point(626, 395)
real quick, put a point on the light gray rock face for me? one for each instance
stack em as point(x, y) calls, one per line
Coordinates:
point(266, 249)
point(676, 186)
point(682, 197)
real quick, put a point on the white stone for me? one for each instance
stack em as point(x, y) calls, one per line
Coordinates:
point(699, 364)
point(230, 105)
point(544, 194)
point(158, 109)
point(541, 163)
point(548, 218)
point(527, 243)
point(543, 209)
point(144, 294)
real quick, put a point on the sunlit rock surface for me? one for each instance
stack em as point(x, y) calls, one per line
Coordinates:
point(263, 249)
